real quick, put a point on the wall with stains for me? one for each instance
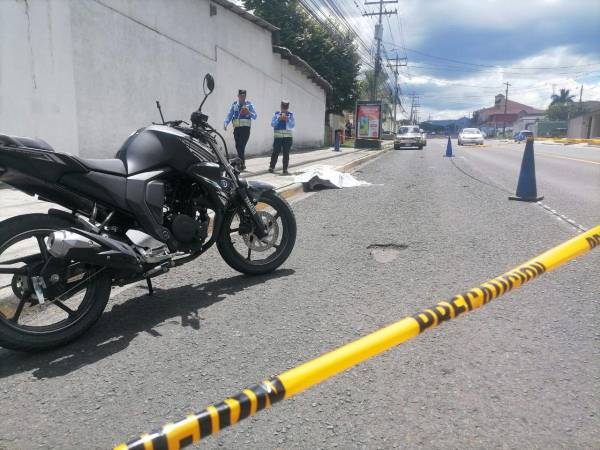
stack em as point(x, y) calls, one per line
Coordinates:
point(83, 75)
point(37, 90)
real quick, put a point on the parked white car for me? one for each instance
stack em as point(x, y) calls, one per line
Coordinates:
point(470, 136)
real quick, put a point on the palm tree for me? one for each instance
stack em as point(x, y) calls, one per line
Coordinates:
point(563, 98)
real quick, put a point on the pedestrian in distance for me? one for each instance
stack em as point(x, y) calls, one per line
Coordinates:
point(283, 123)
point(348, 129)
point(241, 114)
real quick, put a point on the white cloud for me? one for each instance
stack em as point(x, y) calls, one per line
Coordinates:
point(451, 98)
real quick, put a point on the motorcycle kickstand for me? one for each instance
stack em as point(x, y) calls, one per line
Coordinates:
point(150, 287)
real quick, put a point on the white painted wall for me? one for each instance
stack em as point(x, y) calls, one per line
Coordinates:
point(99, 66)
point(586, 126)
point(37, 91)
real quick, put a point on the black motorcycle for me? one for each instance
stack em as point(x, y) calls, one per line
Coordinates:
point(170, 194)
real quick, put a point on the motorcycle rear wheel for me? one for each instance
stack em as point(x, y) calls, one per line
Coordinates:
point(25, 323)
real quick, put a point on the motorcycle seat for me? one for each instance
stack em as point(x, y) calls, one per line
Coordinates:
point(26, 142)
point(110, 166)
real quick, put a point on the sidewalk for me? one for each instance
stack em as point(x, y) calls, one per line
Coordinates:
point(14, 203)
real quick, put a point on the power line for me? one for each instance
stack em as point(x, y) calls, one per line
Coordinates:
point(335, 27)
point(495, 66)
point(521, 74)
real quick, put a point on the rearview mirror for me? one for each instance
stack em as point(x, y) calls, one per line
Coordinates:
point(209, 84)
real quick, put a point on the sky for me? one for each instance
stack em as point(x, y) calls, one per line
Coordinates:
point(461, 52)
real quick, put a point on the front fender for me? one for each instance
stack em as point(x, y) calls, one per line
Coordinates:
point(257, 188)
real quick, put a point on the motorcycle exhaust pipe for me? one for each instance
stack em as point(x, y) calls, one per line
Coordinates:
point(89, 248)
point(61, 242)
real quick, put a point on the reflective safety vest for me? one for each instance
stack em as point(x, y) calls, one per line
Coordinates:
point(283, 128)
point(238, 118)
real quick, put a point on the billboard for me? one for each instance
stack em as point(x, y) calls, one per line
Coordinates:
point(368, 120)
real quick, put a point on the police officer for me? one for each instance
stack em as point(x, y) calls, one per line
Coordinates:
point(283, 123)
point(242, 114)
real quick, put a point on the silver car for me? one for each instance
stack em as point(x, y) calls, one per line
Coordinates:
point(470, 136)
point(409, 136)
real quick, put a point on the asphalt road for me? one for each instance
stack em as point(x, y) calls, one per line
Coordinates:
point(567, 176)
point(524, 372)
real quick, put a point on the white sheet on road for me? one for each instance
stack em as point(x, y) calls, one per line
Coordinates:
point(327, 176)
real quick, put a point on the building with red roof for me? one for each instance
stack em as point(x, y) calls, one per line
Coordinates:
point(495, 117)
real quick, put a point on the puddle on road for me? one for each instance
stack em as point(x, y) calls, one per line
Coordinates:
point(385, 253)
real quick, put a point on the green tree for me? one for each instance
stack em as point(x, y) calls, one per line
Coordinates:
point(384, 91)
point(366, 83)
point(331, 53)
point(561, 111)
point(563, 97)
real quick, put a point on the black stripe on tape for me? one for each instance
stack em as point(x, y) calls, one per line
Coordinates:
point(278, 393)
point(186, 441)
point(224, 415)
point(261, 396)
point(245, 405)
point(159, 442)
point(205, 421)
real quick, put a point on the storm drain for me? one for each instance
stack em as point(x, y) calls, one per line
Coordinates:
point(385, 253)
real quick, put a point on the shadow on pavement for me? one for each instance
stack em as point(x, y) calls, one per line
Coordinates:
point(119, 326)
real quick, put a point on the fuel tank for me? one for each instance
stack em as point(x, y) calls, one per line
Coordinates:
point(155, 147)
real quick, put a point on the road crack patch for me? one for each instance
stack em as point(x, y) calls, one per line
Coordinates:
point(385, 253)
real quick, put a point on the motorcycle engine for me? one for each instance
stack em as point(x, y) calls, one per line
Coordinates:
point(186, 230)
point(186, 216)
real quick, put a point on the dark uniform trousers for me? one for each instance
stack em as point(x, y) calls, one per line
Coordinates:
point(281, 144)
point(241, 136)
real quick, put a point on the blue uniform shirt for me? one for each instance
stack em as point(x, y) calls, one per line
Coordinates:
point(235, 115)
point(283, 128)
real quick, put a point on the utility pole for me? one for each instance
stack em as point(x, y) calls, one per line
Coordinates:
point(414, 109)
point(580, 98)
point(505, 105)
point(400, 62)
point(417, 117)
point(378, 38)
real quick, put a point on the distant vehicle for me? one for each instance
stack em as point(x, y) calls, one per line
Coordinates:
point(387, 135)
point(470, 136)
point(523, 135)
point(409, 136)
point(483, 133)
point(423, 137)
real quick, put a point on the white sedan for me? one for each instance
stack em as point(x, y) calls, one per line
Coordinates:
point(470, 136)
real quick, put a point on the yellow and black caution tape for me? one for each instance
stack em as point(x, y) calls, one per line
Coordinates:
point(175, 436)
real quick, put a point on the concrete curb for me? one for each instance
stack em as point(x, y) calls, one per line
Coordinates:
point(293, 189)
point(324, 158)
point(570, 140)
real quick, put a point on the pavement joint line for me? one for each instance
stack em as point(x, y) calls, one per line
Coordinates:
point(580, 228)
point(551, 155)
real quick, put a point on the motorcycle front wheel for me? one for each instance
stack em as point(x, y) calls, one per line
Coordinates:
point(244, 251)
